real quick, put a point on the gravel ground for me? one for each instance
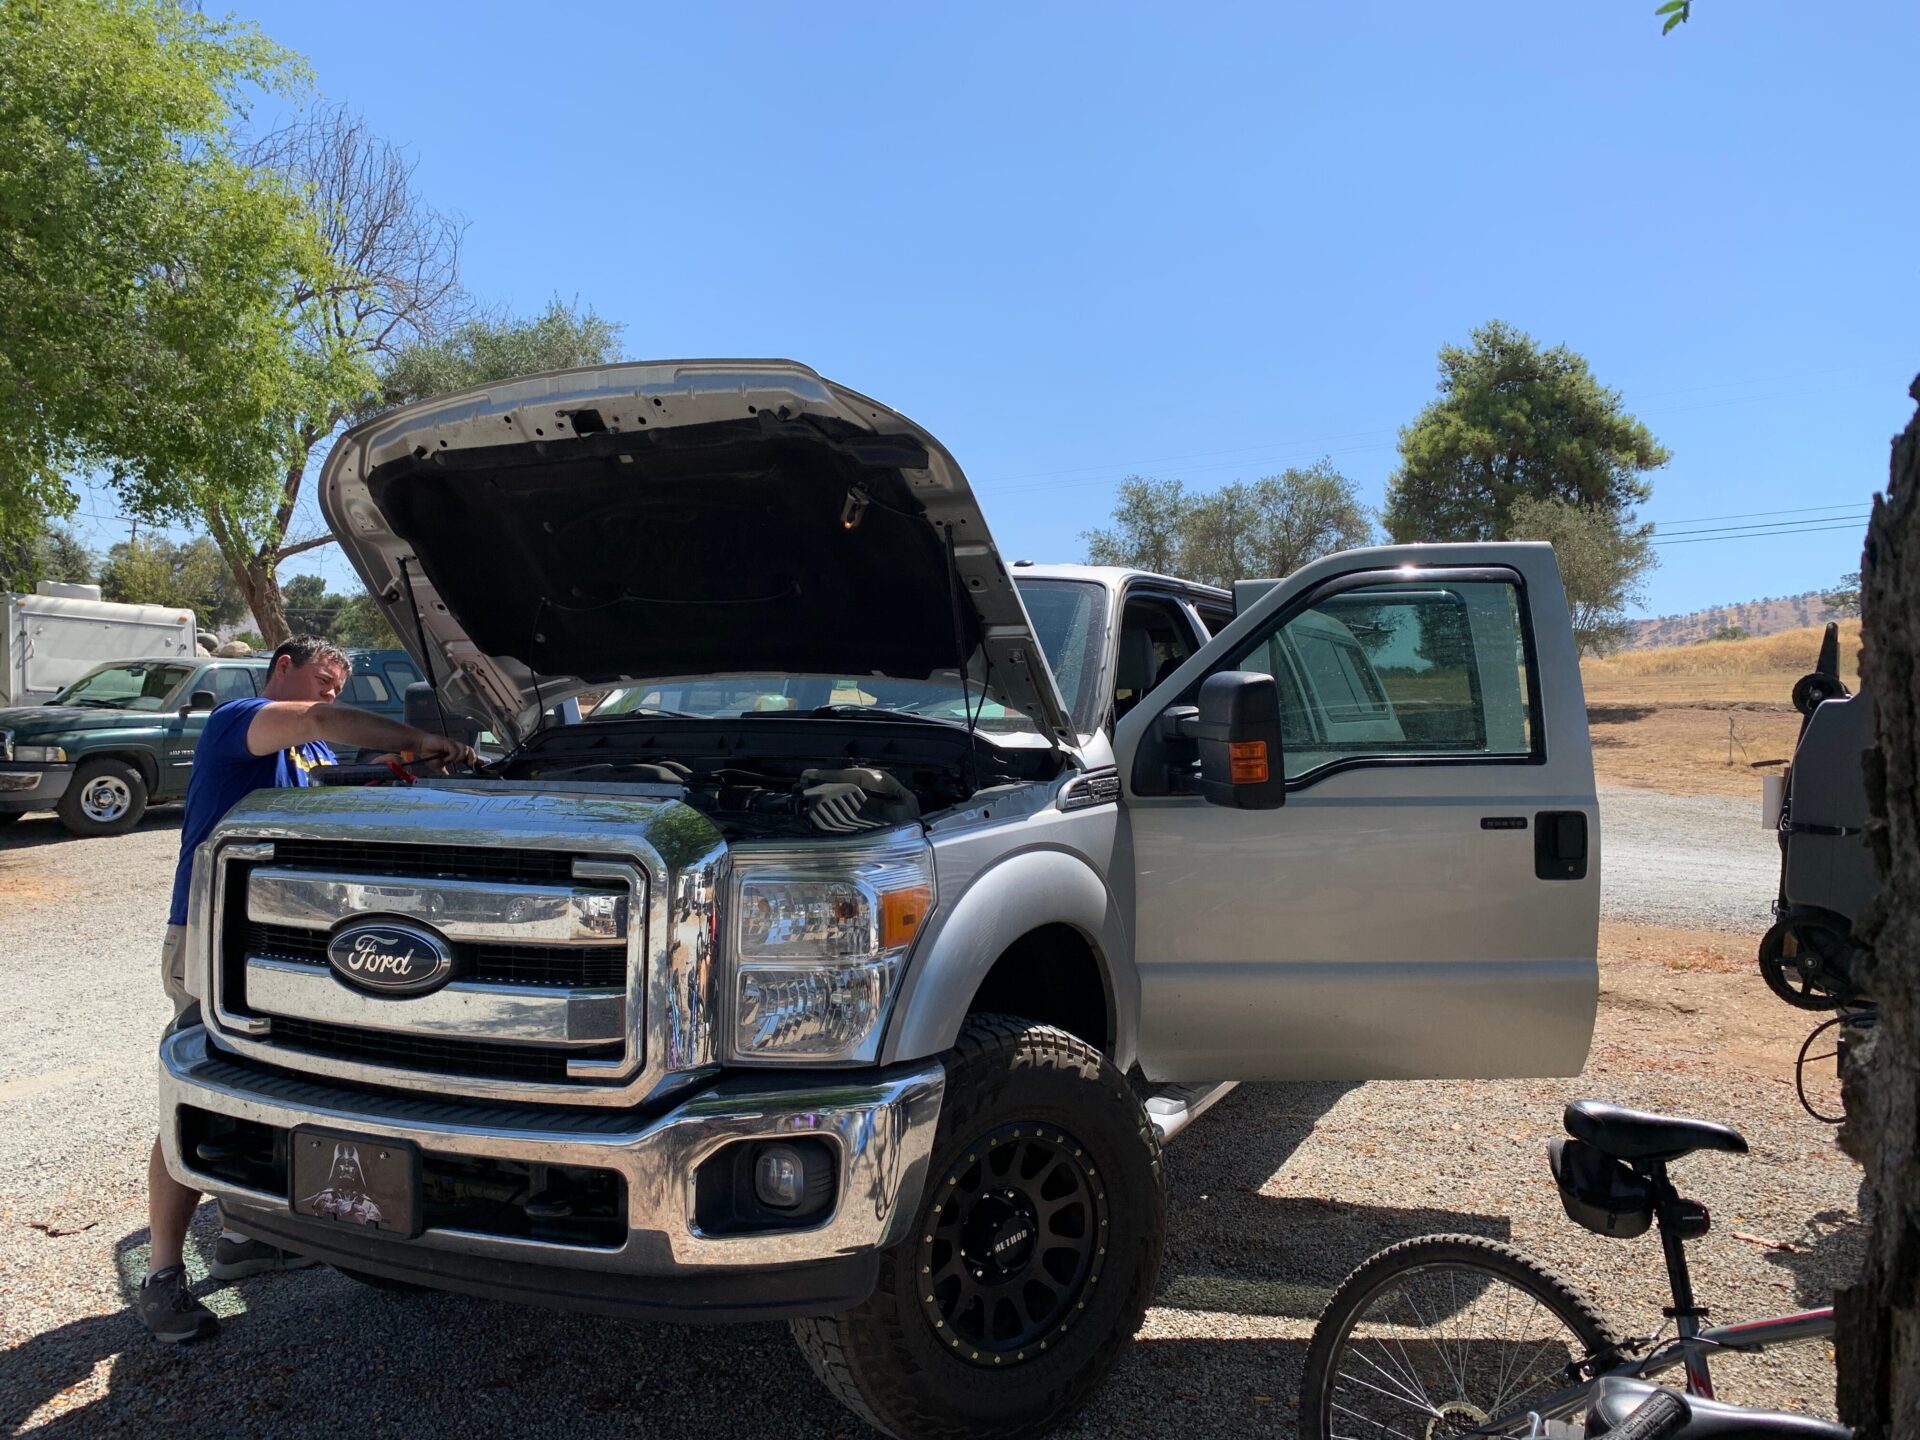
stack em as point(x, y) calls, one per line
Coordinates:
point(1699, 861)
point(1274, 1196)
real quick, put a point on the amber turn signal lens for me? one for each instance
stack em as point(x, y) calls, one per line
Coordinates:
point(1248, 759)
point(902, 913)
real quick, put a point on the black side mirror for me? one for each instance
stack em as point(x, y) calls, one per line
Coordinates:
point(200, 700)
point(423, 711)
point(1238, 730)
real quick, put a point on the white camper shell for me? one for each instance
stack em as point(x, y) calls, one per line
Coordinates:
point(60, 632)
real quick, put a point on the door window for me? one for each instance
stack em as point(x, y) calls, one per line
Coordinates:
point(401, 674)
point(1155, 639)
point(1433, 670)
point(366, 690)
point(228, 682)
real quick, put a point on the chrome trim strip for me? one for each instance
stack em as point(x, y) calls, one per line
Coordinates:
point(881, 1127)
point(461, 910)
point(223, 857)
point(463, 1010)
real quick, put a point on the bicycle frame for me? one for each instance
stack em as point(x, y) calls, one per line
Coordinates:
point(1679, 1221)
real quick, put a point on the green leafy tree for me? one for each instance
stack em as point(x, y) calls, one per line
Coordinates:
point(142, 260)
point(1272, 526)
point(361, 623)
point(1515, 422)
point(1603, 564)
point(189, 576)
point(497, 347)
point(1844, 599)
point(387, 277)
point(1269, 526)
point(1149, 517)
point(310, 609)
point(54, 553)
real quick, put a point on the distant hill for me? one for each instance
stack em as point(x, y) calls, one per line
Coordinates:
point(1756, 617)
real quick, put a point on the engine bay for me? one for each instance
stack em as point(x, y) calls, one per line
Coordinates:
point(778, 777)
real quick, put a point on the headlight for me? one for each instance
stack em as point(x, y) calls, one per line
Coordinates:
point(41, 754)
point(820, 939)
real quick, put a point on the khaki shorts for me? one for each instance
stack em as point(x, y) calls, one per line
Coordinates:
point(173, 969)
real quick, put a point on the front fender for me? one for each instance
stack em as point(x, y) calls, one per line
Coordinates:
point(1014, 897)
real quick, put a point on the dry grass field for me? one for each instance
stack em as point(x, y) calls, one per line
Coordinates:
point(1692, 719)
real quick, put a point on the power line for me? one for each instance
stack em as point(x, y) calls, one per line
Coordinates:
point(1753, 514)
point(1798, 530)
point(1765, 525)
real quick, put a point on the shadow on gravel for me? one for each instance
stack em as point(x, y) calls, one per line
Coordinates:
point(1828, 1255)
point(312, 1353)
point(1234, 1249)
point(38, 830)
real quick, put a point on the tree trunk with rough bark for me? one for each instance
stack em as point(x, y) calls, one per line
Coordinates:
point(1879, 1331)
point(261, 585)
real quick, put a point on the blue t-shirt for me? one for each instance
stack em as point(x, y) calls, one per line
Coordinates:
point(224, 772)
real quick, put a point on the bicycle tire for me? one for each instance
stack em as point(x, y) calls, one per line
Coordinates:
point(1326, 1381)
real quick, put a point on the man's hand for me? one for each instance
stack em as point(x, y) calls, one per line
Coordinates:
point(439, 754)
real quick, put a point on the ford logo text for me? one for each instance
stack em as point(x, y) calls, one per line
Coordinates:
point(390, 959)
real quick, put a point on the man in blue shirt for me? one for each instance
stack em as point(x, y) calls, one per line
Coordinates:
point(248, 745)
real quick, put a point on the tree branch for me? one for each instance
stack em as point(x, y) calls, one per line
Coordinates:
point(300, 547)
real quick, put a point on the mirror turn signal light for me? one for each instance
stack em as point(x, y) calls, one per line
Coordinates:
point(1248, 762)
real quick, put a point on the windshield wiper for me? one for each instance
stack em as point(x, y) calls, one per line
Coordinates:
point(93, 704)
point(650, 711)
point(825, 712)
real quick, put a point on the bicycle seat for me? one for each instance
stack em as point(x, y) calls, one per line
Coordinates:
point(1615, 1399)
point(1636, 1135)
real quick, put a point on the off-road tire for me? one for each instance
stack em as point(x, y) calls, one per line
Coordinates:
point(888, 1362)
point(1380, 1271)
point(82, 816)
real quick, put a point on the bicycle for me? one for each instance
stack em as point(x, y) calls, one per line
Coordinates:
point(1457, 1335)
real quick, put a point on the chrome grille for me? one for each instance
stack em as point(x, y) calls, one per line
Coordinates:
point(559, 966)
point(548, 990)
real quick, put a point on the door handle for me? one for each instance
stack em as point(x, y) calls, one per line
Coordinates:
point(1560, 845)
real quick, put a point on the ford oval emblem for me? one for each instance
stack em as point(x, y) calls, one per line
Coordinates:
point(395, 959)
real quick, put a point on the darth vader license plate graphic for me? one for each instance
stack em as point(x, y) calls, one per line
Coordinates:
point(356, 1180)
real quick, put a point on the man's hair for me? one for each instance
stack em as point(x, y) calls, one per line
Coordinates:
point(304, 650)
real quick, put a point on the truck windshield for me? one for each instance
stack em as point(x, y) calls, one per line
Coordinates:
point(1068, 616)
point(125, 687)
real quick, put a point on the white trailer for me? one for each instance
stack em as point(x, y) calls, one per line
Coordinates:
point(60, 632)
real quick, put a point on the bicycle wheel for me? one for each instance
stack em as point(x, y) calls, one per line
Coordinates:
point(1436, 1337)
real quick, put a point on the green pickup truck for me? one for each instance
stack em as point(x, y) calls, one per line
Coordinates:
point(121, 737)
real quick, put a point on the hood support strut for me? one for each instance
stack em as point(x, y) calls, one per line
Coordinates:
point(963, 656)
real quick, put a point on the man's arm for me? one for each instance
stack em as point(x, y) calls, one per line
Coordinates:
point(282, 724)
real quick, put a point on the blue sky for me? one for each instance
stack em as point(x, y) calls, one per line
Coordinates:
point(1078, 242)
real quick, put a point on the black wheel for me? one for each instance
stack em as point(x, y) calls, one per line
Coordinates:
point(1805, 964)
point(381, 1282)
point(106, 797)
point(7, 817)
point(1032, 1257)
point(1439, 1336)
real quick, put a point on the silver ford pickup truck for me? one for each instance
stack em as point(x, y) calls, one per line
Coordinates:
point(851, 959)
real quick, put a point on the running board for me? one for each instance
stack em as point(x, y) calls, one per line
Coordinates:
point(1172, 1108)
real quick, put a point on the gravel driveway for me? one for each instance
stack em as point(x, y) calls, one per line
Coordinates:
point(1697, 861)
point(1274, 1196)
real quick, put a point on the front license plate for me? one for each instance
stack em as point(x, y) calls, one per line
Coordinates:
point(356, 1180)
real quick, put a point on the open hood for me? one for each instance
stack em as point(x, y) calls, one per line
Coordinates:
point(575, 530)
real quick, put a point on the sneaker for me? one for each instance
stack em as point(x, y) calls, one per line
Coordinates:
point(167, 1308)
point(236, 1259)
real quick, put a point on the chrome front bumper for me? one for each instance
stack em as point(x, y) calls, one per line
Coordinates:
point(880, 1125)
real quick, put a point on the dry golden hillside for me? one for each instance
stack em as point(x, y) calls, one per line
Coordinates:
point(1692, 719)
